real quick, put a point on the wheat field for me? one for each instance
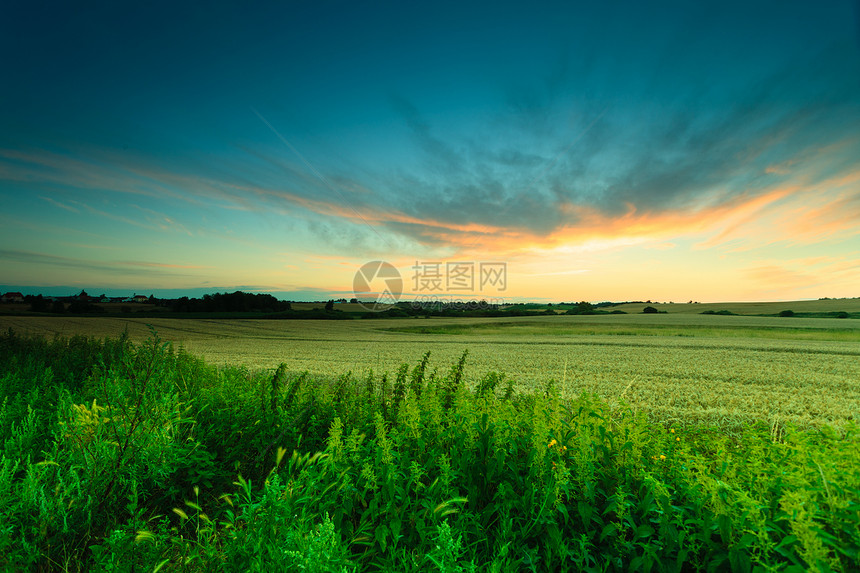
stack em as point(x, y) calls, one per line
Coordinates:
point(682, 368)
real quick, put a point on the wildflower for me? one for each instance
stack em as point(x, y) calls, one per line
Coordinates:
point(662, 457)
point(552, 443)
point(672, 431)
point(677, 439)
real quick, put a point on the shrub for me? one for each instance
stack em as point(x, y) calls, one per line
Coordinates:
point(650, 310)
point(786, 313)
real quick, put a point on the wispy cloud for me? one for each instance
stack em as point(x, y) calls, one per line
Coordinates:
point(86, 265)
point(60, 205)
point(146, 264)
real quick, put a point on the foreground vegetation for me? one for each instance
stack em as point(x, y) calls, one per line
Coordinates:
point(136, 457)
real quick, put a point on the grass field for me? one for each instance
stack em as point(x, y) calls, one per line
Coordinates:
point(714, 443)
point(850, 305)
point(680, 367)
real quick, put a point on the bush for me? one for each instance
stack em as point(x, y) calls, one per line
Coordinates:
point(786, 313)
point(650, 310)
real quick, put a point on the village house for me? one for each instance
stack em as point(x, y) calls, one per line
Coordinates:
point(13, 297)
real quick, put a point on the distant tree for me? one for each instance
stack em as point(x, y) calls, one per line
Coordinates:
point(582, 307)
point(650, 310)
point(329, 306)
point(58, 307)
point(38, 303)
point(84, 307)
point(353, 301)
point(786, 313)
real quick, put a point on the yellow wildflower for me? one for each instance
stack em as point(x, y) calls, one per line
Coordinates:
point(662, 457)
point(551, 444)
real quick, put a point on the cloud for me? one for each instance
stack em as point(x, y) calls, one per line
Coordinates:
point(147, 264)
point(84, 265)
point(779, 277)
point(801, 275)
point(552, 167)
point(644, 157)
point(60, 205)
point(439, 153)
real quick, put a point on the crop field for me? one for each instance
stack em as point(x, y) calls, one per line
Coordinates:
point(670, 442)
point(683, 368)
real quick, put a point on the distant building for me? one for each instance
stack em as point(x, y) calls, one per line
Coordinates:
point(140, 298)
point(13, 297)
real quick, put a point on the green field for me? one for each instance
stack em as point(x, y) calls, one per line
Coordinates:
point(663, 442)
point(689, 368)
point(849, 305)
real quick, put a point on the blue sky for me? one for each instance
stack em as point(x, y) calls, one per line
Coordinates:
point(664, 151)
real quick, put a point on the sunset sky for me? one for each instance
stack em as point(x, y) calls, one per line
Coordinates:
point(602, 151)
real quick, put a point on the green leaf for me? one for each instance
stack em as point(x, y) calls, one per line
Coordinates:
point(608, 530)
point(644, 530)
point(381, 534)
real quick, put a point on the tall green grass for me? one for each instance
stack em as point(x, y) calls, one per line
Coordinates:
point(124, 457)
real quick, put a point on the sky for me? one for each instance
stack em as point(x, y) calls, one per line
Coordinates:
point(554, 151)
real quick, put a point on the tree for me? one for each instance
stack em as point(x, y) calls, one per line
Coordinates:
point(39, 303)
point(650, 310)
point(585, 307)
point(329, 306)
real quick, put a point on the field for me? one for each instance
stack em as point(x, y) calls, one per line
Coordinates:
point(630, 442)
point(680, 367)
